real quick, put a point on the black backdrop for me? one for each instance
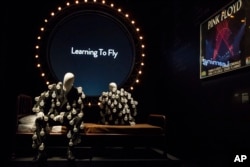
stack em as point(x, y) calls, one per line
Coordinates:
point(203, 124)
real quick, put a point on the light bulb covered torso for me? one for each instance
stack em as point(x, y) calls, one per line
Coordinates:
point(117, 106)
point(61, 104)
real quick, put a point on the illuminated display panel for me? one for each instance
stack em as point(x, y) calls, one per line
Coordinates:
point(224, 42)
point(96, 42)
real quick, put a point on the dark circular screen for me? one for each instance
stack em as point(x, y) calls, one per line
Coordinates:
point(93, 45)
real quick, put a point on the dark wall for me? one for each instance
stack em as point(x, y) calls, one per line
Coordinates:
point(205, 120)
point(201, 115)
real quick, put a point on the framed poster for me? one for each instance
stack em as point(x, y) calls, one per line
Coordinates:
point(225, 40)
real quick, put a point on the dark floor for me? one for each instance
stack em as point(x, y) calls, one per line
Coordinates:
point(126, 157)
point(112, 157)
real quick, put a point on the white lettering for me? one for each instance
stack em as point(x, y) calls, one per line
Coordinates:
point(240, 158)
point(94, 53)
point(207, 62)
point(234, 8)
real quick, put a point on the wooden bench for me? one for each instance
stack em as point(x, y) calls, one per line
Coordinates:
point(152, 133)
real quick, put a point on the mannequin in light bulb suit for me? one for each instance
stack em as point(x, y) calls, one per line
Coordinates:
point(61, 104)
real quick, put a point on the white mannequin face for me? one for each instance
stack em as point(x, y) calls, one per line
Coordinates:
point(68, 81)
point(112, 87)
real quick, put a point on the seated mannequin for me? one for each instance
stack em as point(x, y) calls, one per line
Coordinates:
point(62, 103)
point(117, 106)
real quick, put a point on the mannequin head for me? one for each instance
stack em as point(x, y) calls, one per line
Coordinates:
point(112, 87)
point(68, 81)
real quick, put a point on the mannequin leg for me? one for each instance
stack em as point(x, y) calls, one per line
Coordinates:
point(39, 139)
point(74, 126)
